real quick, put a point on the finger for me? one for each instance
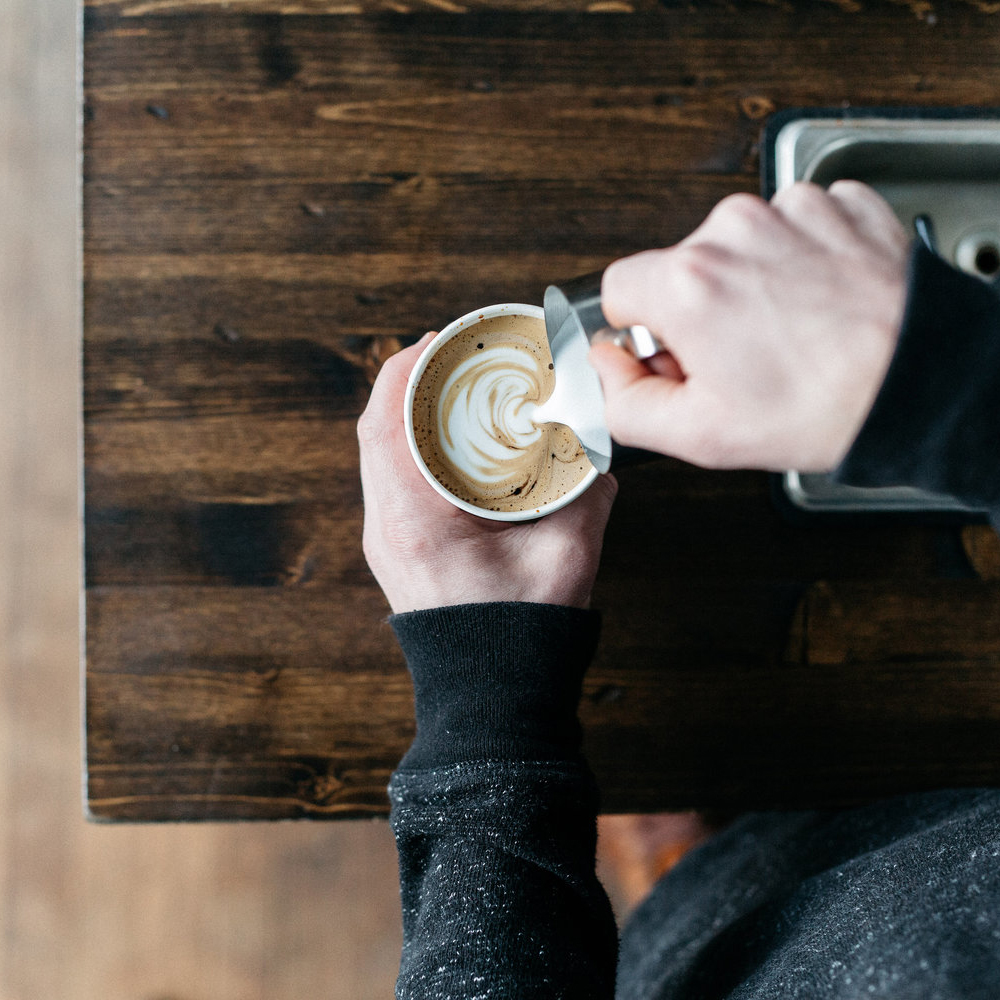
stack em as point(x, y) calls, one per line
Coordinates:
point(381, 424)
point(666, 366)
point(588, 515)
point(811, 212)
point(594, 508)
point(638, 402)
point(616, 368)
point(632, 288)
point(390, 385)
point(382, 420)
point(738, 223)
point(842, 214)
point(675, 291)
point(870, 214)
point(572, 538)
point(389, 476)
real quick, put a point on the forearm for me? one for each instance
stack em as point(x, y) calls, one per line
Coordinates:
point(494, 810)
point(936, 421)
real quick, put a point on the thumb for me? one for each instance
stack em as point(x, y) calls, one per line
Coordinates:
point(638, 395)
point(568, 543)
point(616, 368)
point(586, 517)
point(594, 508)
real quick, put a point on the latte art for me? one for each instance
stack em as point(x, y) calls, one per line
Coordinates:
point(472, 418)
point(484, 414)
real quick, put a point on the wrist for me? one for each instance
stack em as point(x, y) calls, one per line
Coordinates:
point(934, 418)
point(496, 681)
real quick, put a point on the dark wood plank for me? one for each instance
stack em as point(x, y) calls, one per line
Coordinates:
point(274, 205)
point(922, 10)
point(192, 500)
point(291, 702)
point(262, 701)
point(142, 8)
point(880, 689)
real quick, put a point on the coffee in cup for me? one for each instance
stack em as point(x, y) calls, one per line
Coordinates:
point(468, 413)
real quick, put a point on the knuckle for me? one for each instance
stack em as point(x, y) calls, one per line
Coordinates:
point(853, 190)
point(739, 221)
point(827, 218)
point(860, 201)
point(867, 205)
point(744, 207)
point(712, 452)
point(702, 273)
point(804, 191)
point(801, 197)
point(371, 430)
point(565, 551)
point(396, 543)
point(698, 445)
point(608, 485)
point(370, 549)
point(799, 193)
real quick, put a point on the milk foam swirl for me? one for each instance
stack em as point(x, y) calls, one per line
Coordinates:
point(484, 414)
point(471, 415)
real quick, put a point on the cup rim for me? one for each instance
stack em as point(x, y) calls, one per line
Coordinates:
point(451, 330)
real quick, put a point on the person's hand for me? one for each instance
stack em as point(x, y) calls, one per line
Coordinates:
point(780, 320)
point(426, 553)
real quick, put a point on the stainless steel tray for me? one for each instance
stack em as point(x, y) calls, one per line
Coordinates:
point(944, 168)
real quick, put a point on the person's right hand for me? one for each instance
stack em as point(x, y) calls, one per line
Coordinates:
point(780, 320)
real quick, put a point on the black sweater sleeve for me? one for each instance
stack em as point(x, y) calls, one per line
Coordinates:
point(935, 423)
point(494, 810)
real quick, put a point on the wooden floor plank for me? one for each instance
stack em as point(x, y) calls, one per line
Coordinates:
point(92, 912)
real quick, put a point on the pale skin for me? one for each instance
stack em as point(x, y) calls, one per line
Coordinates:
point(426, 553)
point(780, 320)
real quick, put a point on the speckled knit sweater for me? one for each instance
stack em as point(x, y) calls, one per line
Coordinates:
point(494, 809)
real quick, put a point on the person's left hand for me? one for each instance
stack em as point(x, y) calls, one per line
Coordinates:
point(426, 553)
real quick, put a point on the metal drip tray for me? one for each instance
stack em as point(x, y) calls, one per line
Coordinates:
point(942, 166)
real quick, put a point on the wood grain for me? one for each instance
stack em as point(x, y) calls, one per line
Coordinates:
point(231, 911)
point(275, 204)
point(924, 10)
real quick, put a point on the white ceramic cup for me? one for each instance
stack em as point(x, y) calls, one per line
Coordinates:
point(460, 325)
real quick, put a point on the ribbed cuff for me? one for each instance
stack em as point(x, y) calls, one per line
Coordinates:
point(935, 423)
point(496, 681)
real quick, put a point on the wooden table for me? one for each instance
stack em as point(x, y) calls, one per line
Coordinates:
point(276, 198)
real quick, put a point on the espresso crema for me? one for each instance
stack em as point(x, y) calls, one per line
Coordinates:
point(472, 414)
